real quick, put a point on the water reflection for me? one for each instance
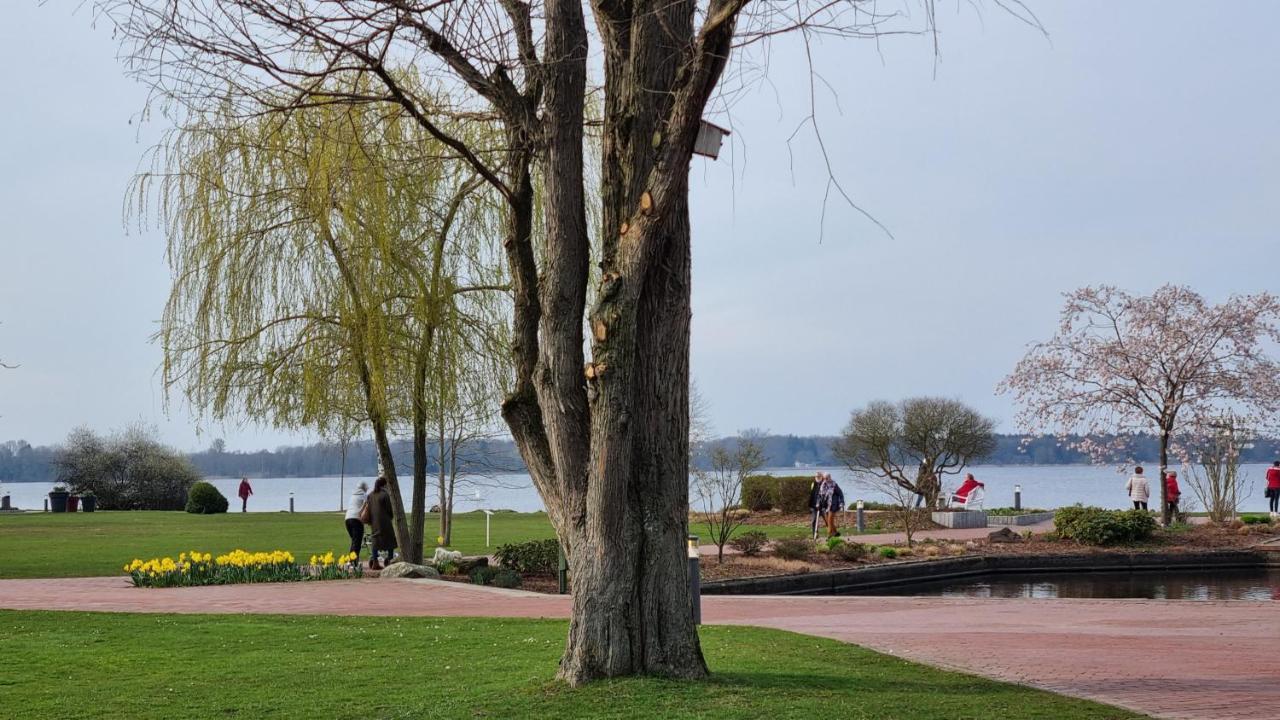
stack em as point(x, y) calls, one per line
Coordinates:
point(1256, 585)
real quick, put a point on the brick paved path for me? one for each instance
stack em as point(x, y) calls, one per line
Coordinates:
point(1173, 659)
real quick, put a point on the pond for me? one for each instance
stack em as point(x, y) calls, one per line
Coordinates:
point(1242, 584)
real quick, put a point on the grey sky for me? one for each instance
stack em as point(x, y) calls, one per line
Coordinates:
point(1136, 146)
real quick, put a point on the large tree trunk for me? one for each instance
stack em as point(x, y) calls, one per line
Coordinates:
point(1165, 515)
point(383, 443)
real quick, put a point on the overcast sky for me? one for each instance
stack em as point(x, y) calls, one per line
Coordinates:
point(1136, 145)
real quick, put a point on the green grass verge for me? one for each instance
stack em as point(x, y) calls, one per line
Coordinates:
point(84, 544)
point(88, 665)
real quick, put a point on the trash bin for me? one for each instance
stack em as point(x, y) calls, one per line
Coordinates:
point(73, 503)
point(88, 503)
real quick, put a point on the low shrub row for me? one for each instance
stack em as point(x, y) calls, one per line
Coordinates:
point(1010, 512)
point(497, 577)
point(1096, 526)
point(536, 557)
point(788, 493)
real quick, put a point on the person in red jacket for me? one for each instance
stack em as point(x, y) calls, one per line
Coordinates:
point(245, 491)
point(1172, 493)
point(1273, 487)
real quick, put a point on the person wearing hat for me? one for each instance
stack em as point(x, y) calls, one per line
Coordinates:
point(355, 524)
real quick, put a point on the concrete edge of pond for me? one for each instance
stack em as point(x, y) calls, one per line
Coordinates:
point(832, 582)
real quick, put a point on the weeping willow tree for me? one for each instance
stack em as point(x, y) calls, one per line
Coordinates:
point(318, 262)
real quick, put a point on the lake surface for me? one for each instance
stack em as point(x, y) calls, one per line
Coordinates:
point(1256, 585)
point(1043, 486)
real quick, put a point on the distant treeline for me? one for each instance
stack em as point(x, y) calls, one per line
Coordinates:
point(21, 462)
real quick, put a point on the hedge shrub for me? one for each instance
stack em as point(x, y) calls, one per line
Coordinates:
point(204, 499)
point(536, 557)
point(1096, 526)
point(788, 493)
point(759, 492)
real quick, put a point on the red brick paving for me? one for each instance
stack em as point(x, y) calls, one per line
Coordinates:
point(1172, 659)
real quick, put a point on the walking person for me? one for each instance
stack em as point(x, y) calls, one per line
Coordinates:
point(381, 523)
point(1139, 489)
point(825, 500)
point(1273, 489)
point(356, 507)
point(245, 491)
point(1172, 493)
point(814, 510)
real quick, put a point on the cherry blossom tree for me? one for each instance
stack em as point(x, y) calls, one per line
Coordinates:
point(1169, 363)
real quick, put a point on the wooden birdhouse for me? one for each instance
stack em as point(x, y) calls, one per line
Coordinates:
point(710, 136)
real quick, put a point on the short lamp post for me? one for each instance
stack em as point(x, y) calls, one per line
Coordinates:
point(290, 501)
point(862, 518)
point(695, 580)
point(1017, 497)
point(487, 515)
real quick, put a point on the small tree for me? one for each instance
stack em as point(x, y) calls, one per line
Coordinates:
point(719, 487)
point(901, 501)
point(1217, 481)
point(1122, 365)
point(913, 443)
point(127, 471)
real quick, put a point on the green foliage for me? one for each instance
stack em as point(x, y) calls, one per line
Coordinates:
point(447, 567)
point(759, 492)
point(204, 499)
point(1010, 512)
point(496, 576)
point(849, 551)
point(888, 553)
point(130, 470)
point(788, 493)
point(1096, 526)
point(834, 542)
point(537, 557)
point(793, 548)
point(793, 493)
point(506, 578)
point(1255, 519)
point(749, 543)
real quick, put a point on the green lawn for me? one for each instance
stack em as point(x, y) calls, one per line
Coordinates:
point(80, 544)
point(87, 665)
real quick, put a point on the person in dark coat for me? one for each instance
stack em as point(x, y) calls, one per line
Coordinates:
point(825, 500)
point(245, 491)
point(382, 523)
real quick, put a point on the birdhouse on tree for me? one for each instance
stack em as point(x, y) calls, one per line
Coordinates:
point(710, 136)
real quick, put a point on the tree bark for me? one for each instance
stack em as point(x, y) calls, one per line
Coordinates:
point(1165, 515)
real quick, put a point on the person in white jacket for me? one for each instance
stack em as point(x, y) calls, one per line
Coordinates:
point(355, 526)
point(1139, 489)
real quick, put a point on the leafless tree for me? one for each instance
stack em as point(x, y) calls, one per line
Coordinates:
point(719, 487)
point(1123, 364)
point(605, 434)
point(915, 442)
point(1215, 478)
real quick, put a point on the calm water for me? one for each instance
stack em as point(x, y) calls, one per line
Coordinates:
point(1043, 486)
point(1257, 585)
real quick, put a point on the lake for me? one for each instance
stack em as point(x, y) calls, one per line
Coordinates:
point(1043, 486)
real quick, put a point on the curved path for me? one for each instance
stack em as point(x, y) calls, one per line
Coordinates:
point(1172, 659)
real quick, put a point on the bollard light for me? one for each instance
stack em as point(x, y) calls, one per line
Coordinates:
point(695, 579)
point(290, 501)
point(861, 521)
point(1017, 497)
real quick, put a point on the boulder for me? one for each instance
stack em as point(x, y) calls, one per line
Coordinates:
point(1004, 535)
point(408, 570)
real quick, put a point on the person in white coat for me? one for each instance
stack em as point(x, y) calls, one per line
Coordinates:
point(1139, 489)
point(355, 526)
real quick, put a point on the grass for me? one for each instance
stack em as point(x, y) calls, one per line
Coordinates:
point(87, 544)
point(81, 544)
point(307, 667)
